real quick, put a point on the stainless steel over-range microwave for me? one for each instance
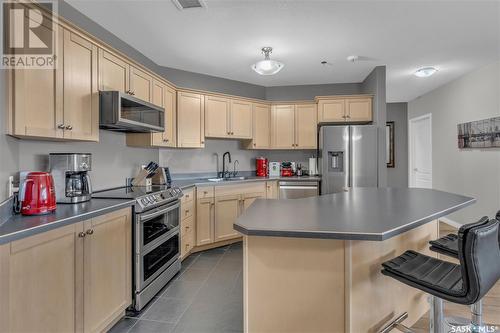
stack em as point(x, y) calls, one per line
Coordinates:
point(119, 111)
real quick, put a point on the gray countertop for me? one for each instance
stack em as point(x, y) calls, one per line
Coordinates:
point(185, 183)
point(19, 226)
point(361, 214)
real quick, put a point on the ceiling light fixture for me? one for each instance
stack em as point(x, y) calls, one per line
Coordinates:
point(267, 66)
point(425, 71)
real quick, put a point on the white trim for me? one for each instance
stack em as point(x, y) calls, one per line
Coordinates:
point(410, 162)
point(451, 222)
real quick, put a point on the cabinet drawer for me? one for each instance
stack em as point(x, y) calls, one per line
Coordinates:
point(188, 195)
point(205, 192)
point(187, 209)
point(187, 226)
point(187, 243)
point(241, 188)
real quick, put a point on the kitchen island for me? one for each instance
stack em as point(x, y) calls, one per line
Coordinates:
point(313, 265)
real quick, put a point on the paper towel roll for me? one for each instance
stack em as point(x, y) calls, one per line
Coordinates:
point(313, 170)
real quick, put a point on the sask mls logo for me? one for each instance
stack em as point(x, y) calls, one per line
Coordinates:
point(28, 36)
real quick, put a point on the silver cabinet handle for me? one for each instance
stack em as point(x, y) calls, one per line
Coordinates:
point(90, 231)
point(81, 234)
point(61, 126)
point(69, 127)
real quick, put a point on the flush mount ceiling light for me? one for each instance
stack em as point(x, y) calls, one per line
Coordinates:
point(425, 71)
point(267, 66)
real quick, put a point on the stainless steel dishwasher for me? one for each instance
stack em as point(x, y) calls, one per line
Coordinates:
point(298, 189)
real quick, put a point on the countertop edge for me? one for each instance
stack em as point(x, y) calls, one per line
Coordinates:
point(63, 222)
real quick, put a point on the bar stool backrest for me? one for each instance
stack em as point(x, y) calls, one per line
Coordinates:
point(479, 256)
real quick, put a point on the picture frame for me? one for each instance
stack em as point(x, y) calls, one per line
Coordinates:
point(389, 143)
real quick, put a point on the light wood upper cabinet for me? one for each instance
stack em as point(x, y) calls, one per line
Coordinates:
point(261, 127)
point(341, 109)
point(81, 96)
point(294, 126)
point(331, 110)
point(283, 126)
point(158, 98)
point(305, 126)
point(190, 120)
point(359, 109)
point(217, 115)
point(169, 136)
point(38, 279)
point(227, 210)
point(241, 119)
point(141, 84)
point(113, 72)
point(205, 217)
point(107, 269)
point(36, 108)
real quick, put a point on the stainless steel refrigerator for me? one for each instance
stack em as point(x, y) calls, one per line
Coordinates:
point(347, 157)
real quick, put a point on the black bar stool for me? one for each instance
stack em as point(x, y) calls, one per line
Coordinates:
point(467, 283)
point(448, 245)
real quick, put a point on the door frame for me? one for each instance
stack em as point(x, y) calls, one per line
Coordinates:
point(411, 123)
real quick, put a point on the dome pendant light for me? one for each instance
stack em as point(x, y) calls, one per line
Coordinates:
point(267, 66)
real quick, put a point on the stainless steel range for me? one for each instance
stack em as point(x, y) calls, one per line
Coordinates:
point(156, 237)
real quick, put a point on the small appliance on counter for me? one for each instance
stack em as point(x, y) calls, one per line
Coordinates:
point(274, 169)
point(299, 172)
point(71, 176)
point(37, 194)
point(286, 169)
point(261, 167)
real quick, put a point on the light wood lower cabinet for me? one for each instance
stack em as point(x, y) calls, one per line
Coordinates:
point(68, 279)
point(205, 217)
point(272, 190)
point(187, 228)
point(227, 210)
point(190, 120)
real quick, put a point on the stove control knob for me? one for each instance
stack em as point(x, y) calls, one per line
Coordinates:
point(144, 202)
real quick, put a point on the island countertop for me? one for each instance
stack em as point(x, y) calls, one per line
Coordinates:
point(374, 214)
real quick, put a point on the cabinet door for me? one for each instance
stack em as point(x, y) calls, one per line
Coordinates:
point(217, 110)
point(261, 126)
point(227, 210)
point(205, 216)
point(169, 135)
point(249, 198)
point(107, 269)
point(190, 120)
point(305, 126)
point(359, 109)
point(283, 125)
point(81, 97)
point(331, 110)
point(187, 237)
point(37, 109)
point(113, 72)
point(272, 190)
point(141, 84)
point(158, 99)
point(39, 281)
point(241, 119)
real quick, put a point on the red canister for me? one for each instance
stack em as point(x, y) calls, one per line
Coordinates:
point(261, 167)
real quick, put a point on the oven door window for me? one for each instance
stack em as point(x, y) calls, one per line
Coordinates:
point(160, 256)
point(156, 225)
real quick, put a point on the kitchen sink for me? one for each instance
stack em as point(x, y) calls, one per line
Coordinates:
point(226, 179)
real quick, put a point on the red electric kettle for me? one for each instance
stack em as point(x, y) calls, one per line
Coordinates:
point(37, 195)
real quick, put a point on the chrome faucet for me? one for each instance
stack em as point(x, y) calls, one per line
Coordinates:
point(224, 171)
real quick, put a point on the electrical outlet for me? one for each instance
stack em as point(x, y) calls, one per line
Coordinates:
point(11, 188)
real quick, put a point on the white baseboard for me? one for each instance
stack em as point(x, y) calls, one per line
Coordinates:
point(450, 222)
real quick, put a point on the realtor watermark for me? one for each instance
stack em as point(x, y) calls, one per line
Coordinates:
point(474, 329)
point(29, 35)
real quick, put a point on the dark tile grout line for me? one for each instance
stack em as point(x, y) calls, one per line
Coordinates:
point(140, 318)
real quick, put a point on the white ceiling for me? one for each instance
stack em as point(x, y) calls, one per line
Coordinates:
point(225, 39)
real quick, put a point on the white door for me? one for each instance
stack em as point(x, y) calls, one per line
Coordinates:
point(420, 151)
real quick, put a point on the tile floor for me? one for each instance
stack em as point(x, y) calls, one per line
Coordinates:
point(206, 296)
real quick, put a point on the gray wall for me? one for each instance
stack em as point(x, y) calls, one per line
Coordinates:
point(203, 160)
point(112, 160)
point(473, 172)
point(308, 92)
point(398, 113)
point(375, 84)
